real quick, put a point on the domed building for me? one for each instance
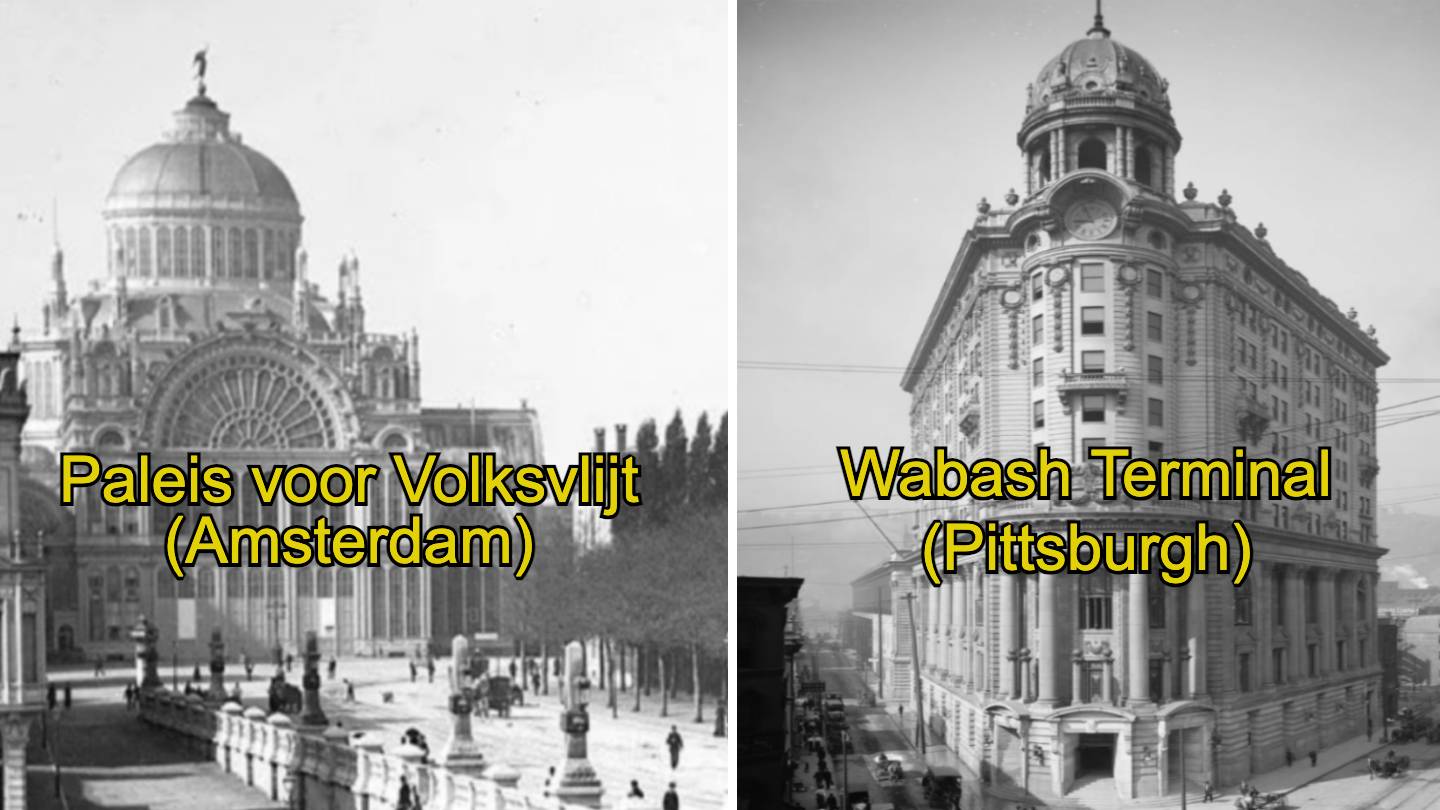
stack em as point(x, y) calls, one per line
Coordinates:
point(208, 334)
point(1096, 309)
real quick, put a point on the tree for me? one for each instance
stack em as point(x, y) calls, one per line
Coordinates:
point(698, 484)
point(674, 464)
point(720, 465)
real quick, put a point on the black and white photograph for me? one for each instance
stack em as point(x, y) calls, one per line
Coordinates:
point(326, 236)
point(995, 231)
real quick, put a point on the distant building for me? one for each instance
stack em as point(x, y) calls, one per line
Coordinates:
point(1393, 599)
point(1390, 663)
point(765, 653)
point(872, 606)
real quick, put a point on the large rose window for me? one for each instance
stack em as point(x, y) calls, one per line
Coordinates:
point(246, 397)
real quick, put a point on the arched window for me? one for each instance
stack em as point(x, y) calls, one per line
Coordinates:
point(269, 266)
point(1091, 154)
point(252, 254)
point(232, 262)
point(145, 267)
point(217, 252)
point(197, 251)
point(132, 252)
point(1144, 170)
point(162, 251)
point(182, 251)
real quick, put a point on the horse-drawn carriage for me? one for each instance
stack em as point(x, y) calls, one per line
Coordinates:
point(284, 697)
point(1392, 766)
point(888, 769)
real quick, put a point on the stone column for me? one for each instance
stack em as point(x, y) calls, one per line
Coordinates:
point(1195, 633)
point(1137, 643)
point(145, 635)
point(1295, 622)
point(578, 783)
point(1048, 692)
point(946, 630)
point(1326, 583)
point(461, 754)
point(1264, 622)
point(957, 628)
point(1108, 672)
point(1009, 624)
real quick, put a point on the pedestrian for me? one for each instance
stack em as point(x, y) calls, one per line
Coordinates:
point(635, 791)
point(1314, 758)
point(430, 668)
point(671, 800)
point(1289, 758)
point(67, 696)
point(331, 667)
point(535, 680)
point(349, 691)
point(1209, 791)
point(406, 800)
point(289, 661)
point(195, 676)
point(674, 743)
point(512, 669)
point(549, 780)
point(99, 665)
point(1369, 730)
point(831, 803)
point(1373, 766)
point(50, 696)
point(413, 670)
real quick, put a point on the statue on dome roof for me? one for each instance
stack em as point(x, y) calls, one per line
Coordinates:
point(201, 62)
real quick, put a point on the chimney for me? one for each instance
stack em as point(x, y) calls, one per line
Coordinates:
point(599, 439)
point(620, 445)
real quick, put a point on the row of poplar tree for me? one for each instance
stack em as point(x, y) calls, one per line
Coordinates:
point(653, 601)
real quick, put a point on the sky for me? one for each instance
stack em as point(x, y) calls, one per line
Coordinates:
point(541, 189)
point(869, 131)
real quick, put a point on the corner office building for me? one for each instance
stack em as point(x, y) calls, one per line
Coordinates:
point(1096, 309)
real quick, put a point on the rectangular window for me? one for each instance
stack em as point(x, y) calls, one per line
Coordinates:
point(1092, 362)
point(1157, 679)
point(1092, 681)
point(1157, 449)
point(1154, 283)
point(1313, 654)
point(1092, 320)
point(1155, 592)
point(1277, 665)
point(1155, 326)
point(1092, 278)
point(1156, 366)
point(1095, 603)
point(1242, 606)
point(1092, 408)
point(1157, 412)
point(1037, 330)
point(1037, 367)
point(1244, 675)
point(1037, 289)
point(1039, 412)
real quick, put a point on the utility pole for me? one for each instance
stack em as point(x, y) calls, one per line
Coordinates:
point(880, 651)
point(915, 658)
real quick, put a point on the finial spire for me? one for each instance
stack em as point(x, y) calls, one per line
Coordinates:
point(1099, 26)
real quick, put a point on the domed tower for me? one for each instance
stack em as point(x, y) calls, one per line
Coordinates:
point(201, 207)
point(1099, 105)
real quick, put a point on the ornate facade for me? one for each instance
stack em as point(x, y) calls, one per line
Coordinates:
point(208, 335)
point(1097, 309)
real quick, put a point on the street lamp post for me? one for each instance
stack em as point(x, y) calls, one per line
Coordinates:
point(174, 665)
